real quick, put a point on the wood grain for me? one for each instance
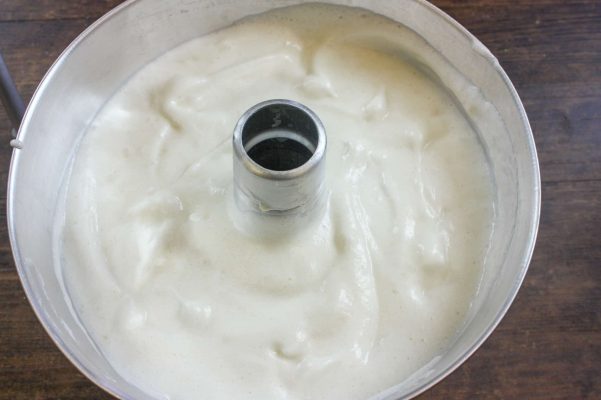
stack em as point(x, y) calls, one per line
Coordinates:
point(549, 344)
point(49, 10)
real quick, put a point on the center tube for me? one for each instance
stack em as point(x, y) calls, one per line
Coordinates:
point(279, 158)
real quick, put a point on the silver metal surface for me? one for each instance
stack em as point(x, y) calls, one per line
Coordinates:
point(98, 62)
point(279, 158)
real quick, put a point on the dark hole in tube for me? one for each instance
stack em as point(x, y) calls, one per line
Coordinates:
point(280, 154)
point(280, 137)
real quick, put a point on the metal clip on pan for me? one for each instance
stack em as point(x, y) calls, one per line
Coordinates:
point(13, 103)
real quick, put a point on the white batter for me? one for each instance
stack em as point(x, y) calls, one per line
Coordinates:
point(188, 307)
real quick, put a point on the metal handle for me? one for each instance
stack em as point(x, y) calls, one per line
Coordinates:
point(13, 103)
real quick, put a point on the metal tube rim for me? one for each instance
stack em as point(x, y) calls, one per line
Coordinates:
point(269, 174)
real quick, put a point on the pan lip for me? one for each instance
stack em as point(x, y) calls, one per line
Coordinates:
point(526, 249)
point(11, 200)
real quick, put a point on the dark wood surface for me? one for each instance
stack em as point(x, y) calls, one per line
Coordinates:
point(549, 344)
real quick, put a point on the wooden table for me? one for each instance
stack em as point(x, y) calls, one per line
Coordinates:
point(549, 344)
